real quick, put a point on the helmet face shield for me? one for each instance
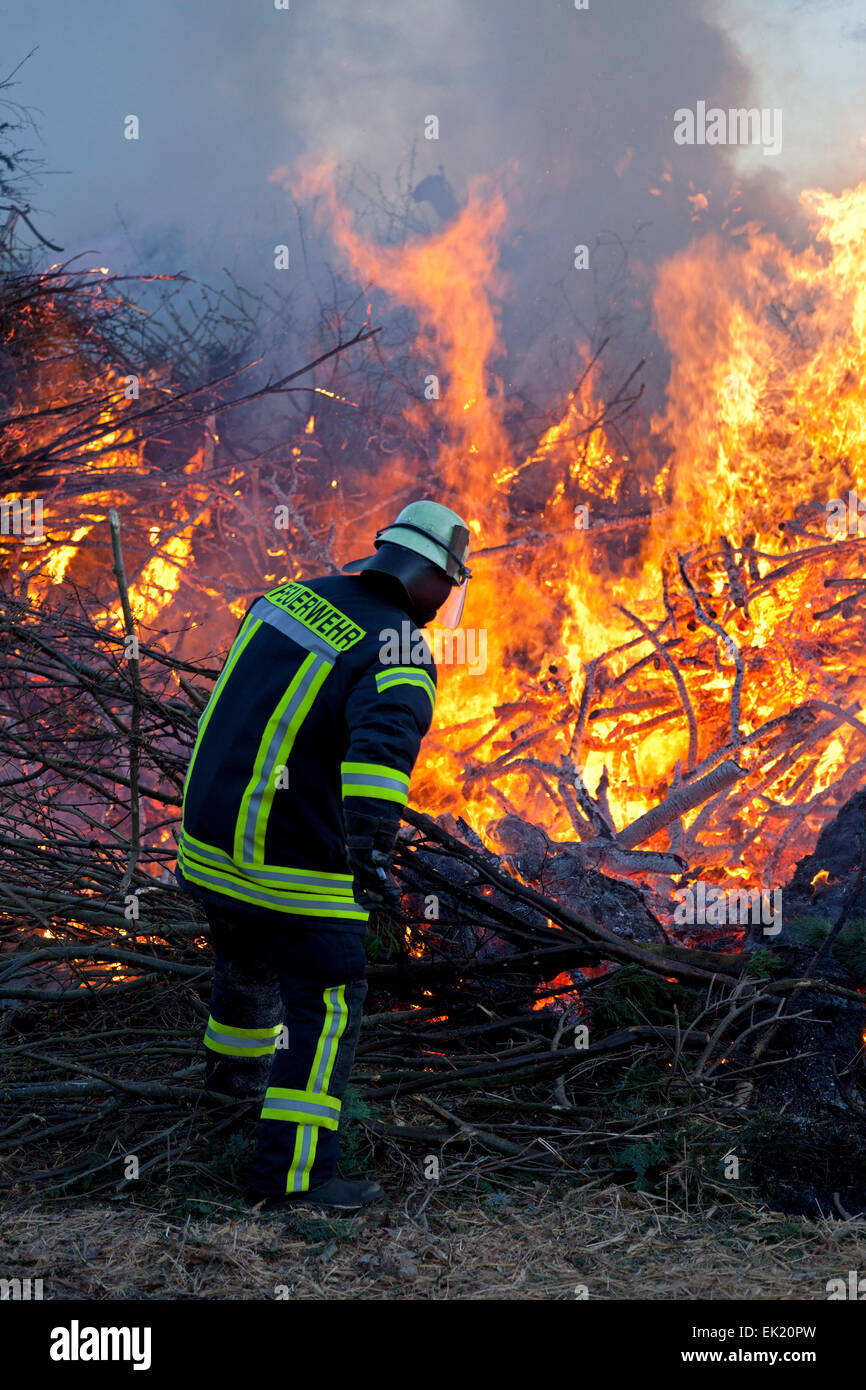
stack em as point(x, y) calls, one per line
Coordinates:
point(457, 552)
point(451, 612)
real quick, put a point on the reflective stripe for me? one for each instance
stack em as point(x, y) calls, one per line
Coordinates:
point(236, 885)
point(310, 880)
point(336, 1019)
point(302, 1107)
point(374, 779)
point(268, 612)
point(425, 685)
point(227, 1050)
point(272, 1030)
point(370, 788)
point(406, 675)
point(274, 749)
point(304, 1156)
point(247, 632)
point(332, 1104)
point(301, 1115)
point(320, 617)
point(377, 770)
point(241, 1042)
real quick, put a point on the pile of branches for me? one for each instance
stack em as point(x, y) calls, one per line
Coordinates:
point(699, 670)
point(160, 409)
point(505, 1030)
point(509, 1025)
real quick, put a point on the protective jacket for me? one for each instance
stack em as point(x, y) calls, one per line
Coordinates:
point(322, 704)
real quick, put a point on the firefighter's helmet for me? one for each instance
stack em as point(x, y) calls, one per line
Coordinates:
point(426, 544)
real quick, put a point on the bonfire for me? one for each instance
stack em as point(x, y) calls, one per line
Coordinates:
point(654, 702)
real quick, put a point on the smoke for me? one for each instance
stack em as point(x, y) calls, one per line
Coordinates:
point(572, 109)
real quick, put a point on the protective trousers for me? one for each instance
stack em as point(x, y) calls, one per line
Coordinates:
point(284, 1020)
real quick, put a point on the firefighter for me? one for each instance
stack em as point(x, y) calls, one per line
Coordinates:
point(291, 808)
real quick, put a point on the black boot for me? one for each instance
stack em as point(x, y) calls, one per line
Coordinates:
point(337, 1194)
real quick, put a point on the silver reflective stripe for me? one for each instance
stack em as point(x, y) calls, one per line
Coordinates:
point(339, 1018)
point(300, 1107)
point(332, 883)
point(421, 681)
point(300, 1174)
point(318, 906)
point(231, 1039)
point(366, 779)
point(270, 762)
point(268, 612)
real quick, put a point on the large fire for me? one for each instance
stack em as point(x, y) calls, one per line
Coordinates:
point(765, 418)
point(762, 429)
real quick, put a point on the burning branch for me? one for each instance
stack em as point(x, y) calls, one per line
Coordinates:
point(729, 644)
point(135, 720)
point(679, 802)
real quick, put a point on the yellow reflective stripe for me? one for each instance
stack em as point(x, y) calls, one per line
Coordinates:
point(273, 875)
point(377, 770)
point(388, 671)
point(232, 1041)
point(273, 1031)
point(332, 1103)
point(333, 1028)
point(381, 793)
point(283, 754)
point(406, 680)
point(277, 900)
point(406, 675)
point(301, 1117)
point(273, 750)
point(241, 1042)
point(246, 634)
point(302, 1107)
point(374, 779)
point(298, 1177)
point(232, 1050)
point(336, 1018)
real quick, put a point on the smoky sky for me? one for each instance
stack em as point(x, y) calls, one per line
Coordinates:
point(572, 110)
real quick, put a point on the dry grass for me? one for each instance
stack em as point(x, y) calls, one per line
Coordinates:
point(524, 1243)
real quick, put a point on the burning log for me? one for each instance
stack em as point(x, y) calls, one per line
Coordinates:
point(678, 680)
point(679, 801)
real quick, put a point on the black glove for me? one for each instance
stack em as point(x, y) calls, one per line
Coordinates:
point(370, 848)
